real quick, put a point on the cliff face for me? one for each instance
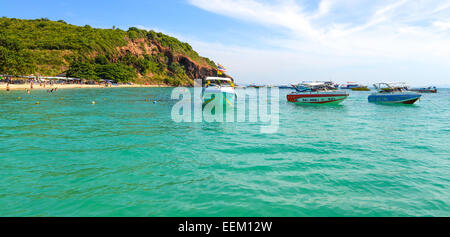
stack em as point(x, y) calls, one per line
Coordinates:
point(141, 47)
point(192, 69)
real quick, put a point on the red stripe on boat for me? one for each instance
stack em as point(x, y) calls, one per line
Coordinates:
point(317, 95)
point(319, 102)
point(293, 98)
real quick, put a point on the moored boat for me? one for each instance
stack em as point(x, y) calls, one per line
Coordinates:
point(285, 87)
point(360, 88)
point(216, 87)
point(430, 89)
point(316, 93)
point(349, 85)
point(254, 86)
point(391, 93)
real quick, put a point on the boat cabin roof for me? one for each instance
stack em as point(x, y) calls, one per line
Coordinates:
point(312, 83)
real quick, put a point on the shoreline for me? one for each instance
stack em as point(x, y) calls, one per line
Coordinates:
point(70, 86)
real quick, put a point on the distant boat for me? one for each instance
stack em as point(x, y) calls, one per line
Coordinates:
point(316, 93)
point(219, 86)
point(360, 88)
point(331, 84)
point(350, 85)
point(285, 87)
point(254, 86)
point(430, 89)
point(391, 93)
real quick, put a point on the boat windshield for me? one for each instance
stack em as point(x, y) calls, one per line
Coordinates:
point(222, 83)
point(306, 87)
point(390, 88)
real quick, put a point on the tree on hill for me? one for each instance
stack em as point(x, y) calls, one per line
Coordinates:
point(47, 47)
point(82, 70)
point(116, 72)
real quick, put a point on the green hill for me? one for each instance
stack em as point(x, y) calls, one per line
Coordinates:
point(45, 47)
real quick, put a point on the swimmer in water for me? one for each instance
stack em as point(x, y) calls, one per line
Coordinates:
point(28, 91)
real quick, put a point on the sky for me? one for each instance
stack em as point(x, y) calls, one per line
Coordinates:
point(284, 41)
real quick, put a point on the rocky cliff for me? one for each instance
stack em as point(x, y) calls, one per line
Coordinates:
point(141, 47)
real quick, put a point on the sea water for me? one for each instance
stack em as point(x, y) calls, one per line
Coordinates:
point(125, 156)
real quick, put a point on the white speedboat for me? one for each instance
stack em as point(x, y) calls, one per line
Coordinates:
point(219, 87)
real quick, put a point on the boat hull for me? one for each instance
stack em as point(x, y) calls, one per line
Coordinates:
point(316, 98)
point(394, 98)
point(286, 87)
point(227, 98)
point(360, 89)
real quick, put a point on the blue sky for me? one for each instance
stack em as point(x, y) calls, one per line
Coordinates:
point(285, 41)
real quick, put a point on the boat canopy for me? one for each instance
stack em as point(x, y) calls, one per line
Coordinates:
point(313, 86)
point(218, 79)
point(390, 85)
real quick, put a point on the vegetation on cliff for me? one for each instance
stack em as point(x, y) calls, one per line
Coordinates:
point(45, 47)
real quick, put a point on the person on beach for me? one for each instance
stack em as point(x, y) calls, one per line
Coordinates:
point(7, 86)
point(31, 85)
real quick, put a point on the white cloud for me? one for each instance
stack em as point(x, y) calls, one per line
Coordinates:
point(442, 25)
point(285, 14)
point(403, 31)
point(324, 8)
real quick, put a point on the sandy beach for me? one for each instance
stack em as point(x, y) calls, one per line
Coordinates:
point(3, 86)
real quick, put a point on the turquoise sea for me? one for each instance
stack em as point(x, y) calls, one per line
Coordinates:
point(124, 156)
